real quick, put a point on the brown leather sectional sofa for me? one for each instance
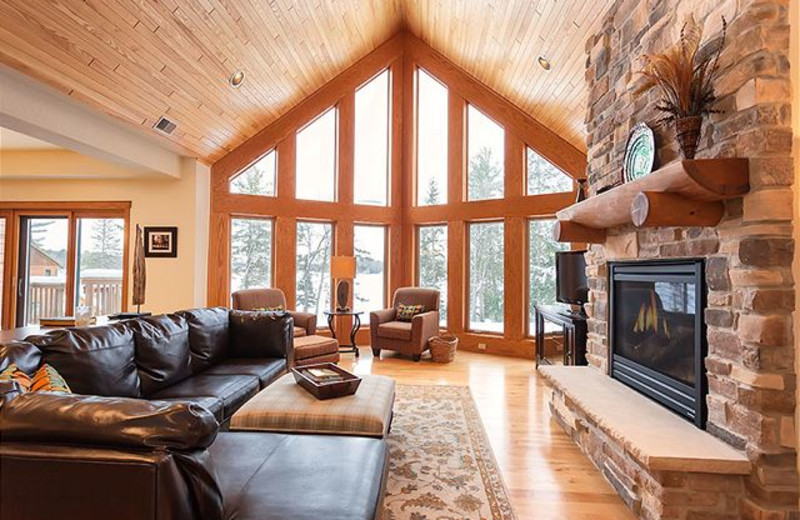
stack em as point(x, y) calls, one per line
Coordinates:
point(142, 437)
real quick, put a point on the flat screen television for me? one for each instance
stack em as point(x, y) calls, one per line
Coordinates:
point(571, 284)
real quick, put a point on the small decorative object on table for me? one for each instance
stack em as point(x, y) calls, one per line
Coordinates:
point(326, 380)
point(443, 347)
point(640, 153)
point(685, 77)
point(581, 195)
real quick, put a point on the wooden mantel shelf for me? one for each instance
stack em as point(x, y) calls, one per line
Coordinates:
point(683, 193)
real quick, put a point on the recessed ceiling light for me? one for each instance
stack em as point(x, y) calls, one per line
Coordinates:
point(236, 79)
point(543, 62)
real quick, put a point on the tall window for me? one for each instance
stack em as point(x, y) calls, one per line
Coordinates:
point(485, 155)
point(316, 159)
point(431, 140)
point(544, 177)
point(372, 142)
point(369, 243)
point(251, 253)
point(432, 263)
point(314, 248)
point(46, 243)
point(258, 178)
point(486, 276)
point(541, 267)
point(99, 266)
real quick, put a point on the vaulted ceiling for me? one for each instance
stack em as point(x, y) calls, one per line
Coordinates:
point(139, 59)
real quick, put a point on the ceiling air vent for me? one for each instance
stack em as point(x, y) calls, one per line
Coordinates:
point(165, 126)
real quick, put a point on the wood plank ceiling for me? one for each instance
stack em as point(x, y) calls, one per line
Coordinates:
point(139, 59)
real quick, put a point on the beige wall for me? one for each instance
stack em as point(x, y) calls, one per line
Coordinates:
point(172, 283)
point(794, 59)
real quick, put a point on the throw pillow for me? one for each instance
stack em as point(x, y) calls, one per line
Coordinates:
point(407, 312)
point(12, 373)
point(47, 379)
point(277, 308)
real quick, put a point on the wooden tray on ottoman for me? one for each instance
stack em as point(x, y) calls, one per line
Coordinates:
point(326, 389)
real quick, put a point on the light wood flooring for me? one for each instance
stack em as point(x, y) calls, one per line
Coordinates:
point(546, 474)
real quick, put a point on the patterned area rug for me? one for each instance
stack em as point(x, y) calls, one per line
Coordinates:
point(441, 464)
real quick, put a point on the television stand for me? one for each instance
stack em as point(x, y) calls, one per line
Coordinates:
point(563, 344)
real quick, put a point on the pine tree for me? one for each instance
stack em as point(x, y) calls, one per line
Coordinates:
point(313, 265)
point(251, 252)
point(543, 177)
point(106, 245)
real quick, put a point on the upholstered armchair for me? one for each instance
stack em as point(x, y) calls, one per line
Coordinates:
point(407, 337)
point(305, 324)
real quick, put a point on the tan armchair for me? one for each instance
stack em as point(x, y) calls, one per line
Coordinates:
point(305, 324)
point(410, 338)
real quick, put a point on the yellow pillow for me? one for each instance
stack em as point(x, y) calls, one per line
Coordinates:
point(47, 379)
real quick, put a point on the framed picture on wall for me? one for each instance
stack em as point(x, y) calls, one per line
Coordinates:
point(161, 242)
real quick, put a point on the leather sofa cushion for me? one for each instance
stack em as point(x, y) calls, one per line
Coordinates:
point(212, 404)
point(110, 421)
point(260, 334)
point(162, 351)
point(266, 476)
point(208, 336)
point(395, 330)
point(93, 360)
point(25, 355)
point(232, 390)
point(266, 370)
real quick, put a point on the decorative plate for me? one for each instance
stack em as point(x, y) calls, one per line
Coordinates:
point(640, 153)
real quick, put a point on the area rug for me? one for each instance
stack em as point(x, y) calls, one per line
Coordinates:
point(441, 466)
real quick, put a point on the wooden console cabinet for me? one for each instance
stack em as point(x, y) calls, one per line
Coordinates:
point(566, 346)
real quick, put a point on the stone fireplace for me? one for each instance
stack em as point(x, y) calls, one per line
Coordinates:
point(746, 320)
point(657, 332)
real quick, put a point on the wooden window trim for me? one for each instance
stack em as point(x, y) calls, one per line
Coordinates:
point(72, 211)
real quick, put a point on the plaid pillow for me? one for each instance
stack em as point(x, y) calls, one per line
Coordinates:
point(47, 379)
point(277, 308)
point(407, 312)
point(13, 373)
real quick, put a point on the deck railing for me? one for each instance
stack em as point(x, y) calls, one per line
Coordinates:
point(46, 298)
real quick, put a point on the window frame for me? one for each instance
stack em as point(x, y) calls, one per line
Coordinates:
point(331, 285)
point(389, 139)
point(14, 211)
point(242, 216)
point(336, 154)
point(417, 269)
point(415, 126)
point(386, 263)
point(468, 278)
point(274, 150)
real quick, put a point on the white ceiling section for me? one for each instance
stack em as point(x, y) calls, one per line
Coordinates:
point(11, 140)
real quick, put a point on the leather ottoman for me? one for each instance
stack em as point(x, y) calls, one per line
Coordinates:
point(310, 350)
point(285, 407)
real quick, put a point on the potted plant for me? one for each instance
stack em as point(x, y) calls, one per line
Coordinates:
point(684, 75)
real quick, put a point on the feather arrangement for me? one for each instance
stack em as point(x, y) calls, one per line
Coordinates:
point(684, 75)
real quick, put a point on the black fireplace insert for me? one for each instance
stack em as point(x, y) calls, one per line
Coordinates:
point(657, 334)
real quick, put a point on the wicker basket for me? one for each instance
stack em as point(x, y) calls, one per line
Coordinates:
point(443, 348)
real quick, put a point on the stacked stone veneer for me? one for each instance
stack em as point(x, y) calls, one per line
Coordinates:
point(748, 255)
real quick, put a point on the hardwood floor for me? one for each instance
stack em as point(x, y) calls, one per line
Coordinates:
point(546, 474)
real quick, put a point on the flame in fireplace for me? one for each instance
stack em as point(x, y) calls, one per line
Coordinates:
point(649, 320)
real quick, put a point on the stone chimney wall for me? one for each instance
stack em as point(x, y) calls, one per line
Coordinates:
point(750, 363)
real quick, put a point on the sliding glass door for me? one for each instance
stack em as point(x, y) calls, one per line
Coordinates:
point(42, 266)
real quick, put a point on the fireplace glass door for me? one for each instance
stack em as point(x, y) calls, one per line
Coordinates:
point(657, 332)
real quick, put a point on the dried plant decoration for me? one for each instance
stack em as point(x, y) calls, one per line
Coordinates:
point(684, 75)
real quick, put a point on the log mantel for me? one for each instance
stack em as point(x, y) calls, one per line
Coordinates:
point(704, 181)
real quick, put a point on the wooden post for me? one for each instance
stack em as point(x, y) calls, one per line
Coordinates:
point(654, 209)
